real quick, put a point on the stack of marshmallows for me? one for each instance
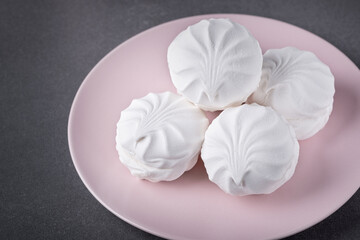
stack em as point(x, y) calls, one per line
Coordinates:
point(269, 102)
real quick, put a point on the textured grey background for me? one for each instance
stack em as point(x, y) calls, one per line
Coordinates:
point(46, 50)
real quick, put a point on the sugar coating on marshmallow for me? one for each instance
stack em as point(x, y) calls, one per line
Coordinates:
point(250, 149)
point(298, 86)
point(215, 63)
point(159, 136)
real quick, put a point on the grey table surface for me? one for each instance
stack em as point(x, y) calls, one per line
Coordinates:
point(46, 50)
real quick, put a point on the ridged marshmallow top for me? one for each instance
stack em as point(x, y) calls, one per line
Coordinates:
point(250, 149)
point(159, 136)
point(298, 86)
point(215, 63)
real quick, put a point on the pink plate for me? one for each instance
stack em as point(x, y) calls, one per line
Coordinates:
point(192, 207)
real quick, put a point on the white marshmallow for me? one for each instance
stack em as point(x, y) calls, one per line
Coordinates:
point(159, 136)
point(215, 64)
point(298, 86)
point(250, 149)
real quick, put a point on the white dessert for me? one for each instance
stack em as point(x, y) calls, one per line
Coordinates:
point(159, 136)
point(215, 64)
point(298, 86)
point(250, 149)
